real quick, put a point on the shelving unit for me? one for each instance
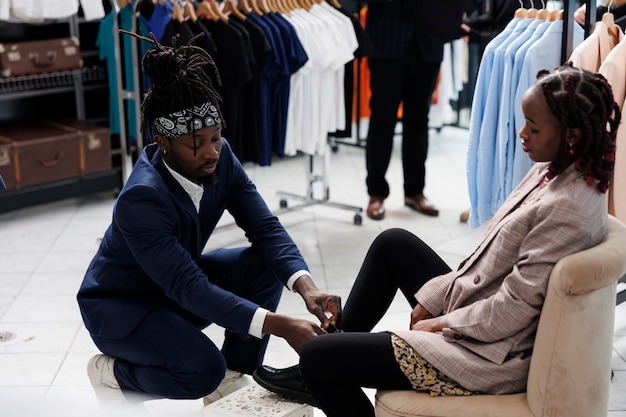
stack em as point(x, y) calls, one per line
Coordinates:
point(61, 94)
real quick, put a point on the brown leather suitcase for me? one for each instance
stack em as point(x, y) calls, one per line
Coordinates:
point(42, 153)
point(7, 167)
point(36, 57)
point(94, 143)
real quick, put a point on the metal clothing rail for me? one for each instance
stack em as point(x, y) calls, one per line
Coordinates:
point(309, 199)
point(133, 96)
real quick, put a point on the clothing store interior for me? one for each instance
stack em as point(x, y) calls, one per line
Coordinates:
point(298, 120)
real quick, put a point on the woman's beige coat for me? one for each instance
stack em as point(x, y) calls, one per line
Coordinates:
point(490, 305)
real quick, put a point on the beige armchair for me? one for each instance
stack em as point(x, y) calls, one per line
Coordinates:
point(571, 364)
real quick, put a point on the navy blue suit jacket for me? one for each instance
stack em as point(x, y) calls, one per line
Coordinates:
point(147, 258)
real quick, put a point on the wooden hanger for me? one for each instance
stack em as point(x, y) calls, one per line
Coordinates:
point(205, 11)
point(217, 10)
point(229, 7)
point(263, 6)
point(177, 13)
point(254, 7)
point(282, 6)
point(521, 12)
point(543, 14)
point(609, 20)
point(123, 3)
point(243, 6)
point(304, 4)
point(335, 4)
point(531, 13)
point(276, 6)
point(190, 12)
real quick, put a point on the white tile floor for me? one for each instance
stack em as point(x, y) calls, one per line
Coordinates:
point(44, 251)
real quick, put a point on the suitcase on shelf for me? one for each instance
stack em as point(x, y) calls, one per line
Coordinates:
point(36, 57)
point(7, 169)
point(41, 154)
point(94, 143)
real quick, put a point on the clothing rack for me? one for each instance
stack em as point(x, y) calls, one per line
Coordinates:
point(134, 96)
point(124, 94)
point(309, 199)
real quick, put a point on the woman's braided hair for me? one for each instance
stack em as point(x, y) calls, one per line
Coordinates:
point(180, 77)
point(583, 100)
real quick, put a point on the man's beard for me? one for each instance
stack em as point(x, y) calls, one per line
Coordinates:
point(211, 180)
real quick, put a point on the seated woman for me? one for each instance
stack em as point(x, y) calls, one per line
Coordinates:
point(472, 329)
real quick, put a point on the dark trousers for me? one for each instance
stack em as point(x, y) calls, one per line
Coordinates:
point(335, 367)
point(168, 355)
point(411, 81)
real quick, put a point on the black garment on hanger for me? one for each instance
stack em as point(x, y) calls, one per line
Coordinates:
point(176, 30)
point(261, 48)
point(363, 50)
point(490, 21)
point(205, 42)
point(233, 63)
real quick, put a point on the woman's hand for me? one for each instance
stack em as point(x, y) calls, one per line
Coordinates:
point(326, 307)
point(428, 325)
point(419, 313)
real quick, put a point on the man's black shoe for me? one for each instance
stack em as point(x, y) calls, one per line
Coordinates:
point(286, 382)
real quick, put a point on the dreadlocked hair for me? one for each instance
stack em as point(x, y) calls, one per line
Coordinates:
point(180, 80)
point(583, 100)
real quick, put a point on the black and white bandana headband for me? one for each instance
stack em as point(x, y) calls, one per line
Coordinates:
point(185, 121)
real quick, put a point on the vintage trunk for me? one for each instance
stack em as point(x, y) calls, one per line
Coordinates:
point(36, 57)
point(7, 164)
point(94, 143)
point(42, 153)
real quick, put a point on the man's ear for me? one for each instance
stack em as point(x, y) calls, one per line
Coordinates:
point(573, 135)
point(162, 142)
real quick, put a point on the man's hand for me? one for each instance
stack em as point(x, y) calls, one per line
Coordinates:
point(297, 332)
point(319, 303)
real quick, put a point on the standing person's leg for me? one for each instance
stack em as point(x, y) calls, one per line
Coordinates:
point(397, 259)
point(335, 367)
point(420, 82)
point(242, 272)
point(165, 357)
point(386, 89)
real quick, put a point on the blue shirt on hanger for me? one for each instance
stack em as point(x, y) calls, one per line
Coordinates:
point(478, 113)
point(505, 111)
point(487, 163)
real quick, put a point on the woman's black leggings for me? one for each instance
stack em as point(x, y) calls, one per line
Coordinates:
point(337, 366)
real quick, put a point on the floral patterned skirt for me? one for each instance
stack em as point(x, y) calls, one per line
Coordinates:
point(422, 375)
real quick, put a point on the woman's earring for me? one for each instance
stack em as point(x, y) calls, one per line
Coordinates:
point(571, 149)
point(165, 151)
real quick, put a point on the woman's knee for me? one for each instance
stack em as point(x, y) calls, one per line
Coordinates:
point(392, 239)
